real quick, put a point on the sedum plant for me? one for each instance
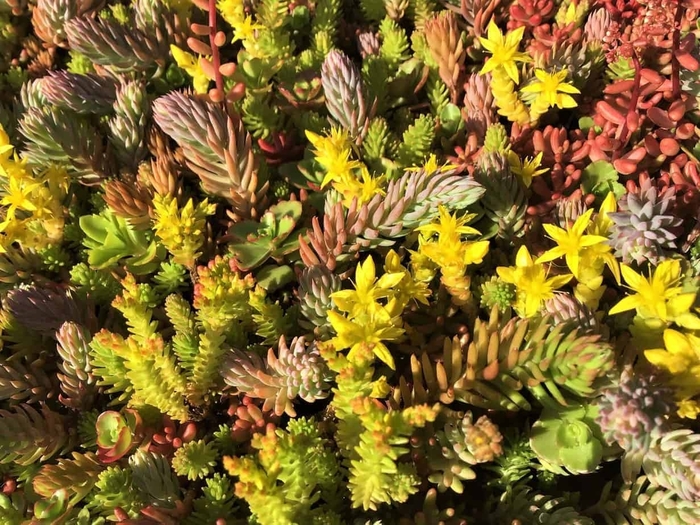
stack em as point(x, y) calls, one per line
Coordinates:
point(345, 263)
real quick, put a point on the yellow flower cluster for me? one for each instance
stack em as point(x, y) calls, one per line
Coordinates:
point(549, 89)
point(244, 28)
point(193, 67)
point(350, 178)
point(371, 313)
point(660, 301)
point(442, 244)
point(532, 283)
point(504, 71)
point(181, 230)
point(33, 211)
point(586, 252)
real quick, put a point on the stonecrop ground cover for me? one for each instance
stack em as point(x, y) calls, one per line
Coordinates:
point(337, 262)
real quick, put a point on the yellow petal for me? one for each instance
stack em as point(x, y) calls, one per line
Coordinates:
point(663, 359)
point(559, 281)
point(512, 71)
point(630, 302)
point(632, 278)
point(389, 280)
point(523, 257)
point(475, 252)
point(555, 232)
point(382, 352)
point(551, 255)
point(506, 274)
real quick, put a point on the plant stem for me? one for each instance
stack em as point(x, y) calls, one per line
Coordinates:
point(215, 58)
point(675, 66)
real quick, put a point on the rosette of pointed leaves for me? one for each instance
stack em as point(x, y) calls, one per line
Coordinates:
point(564, 308)
point(642, 502)
point(77, 381)
point(520, 505)
point(459, 446)
point(346, 97)
point(217, 148)
point(645, 226)
point(446, 44)
point(568, 440)
point(215, 503)
point(504, 201)
point(85, 94)
point(673, 462)
point(316, 285)
point(297, 371)
point(195, 459)
point(507, 355)
point(635, 411)
point(410, 201)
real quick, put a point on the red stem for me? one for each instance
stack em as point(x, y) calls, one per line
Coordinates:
point(675, 66)
point(634, 97)
point(215, 58)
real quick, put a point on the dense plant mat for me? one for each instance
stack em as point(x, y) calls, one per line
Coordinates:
point(329, 262)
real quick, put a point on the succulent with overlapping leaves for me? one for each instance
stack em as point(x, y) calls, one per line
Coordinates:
point(217, 148)
point(640, 501)
point(346, 98)
point(564, 308)
point(77, 476)
point(110, 239)
point(195, 459)
point(634, 413)
point(297, 371)
point(505, 199)
point(645, 227)
point(507, 356)
point(520, 504)
point(459, 446)
point(28, 435)
point(78, 384)
point(316, 285)
point(410, 201)
point(673, 462)
point(84, 94)
point(254, 242)
point(568, 440)
point(117, 434)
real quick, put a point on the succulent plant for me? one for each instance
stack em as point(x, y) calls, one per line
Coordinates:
point(672, 463)
point(117, 434)
point(564, 308)
point(297, 371)
point(569, 441)
point(253, 243)
point(645, 226)
point(633, 414)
